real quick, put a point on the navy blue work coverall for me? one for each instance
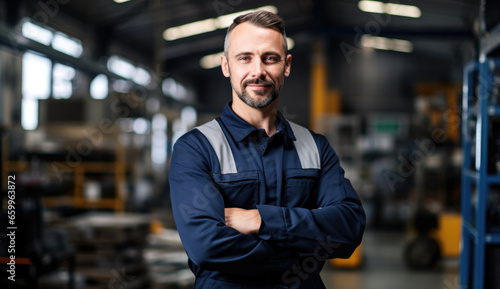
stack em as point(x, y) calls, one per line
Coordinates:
point(310, 212)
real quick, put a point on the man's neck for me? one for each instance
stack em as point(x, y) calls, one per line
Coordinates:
point(261, 118)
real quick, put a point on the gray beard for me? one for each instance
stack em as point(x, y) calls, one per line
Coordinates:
point(258, 104)
point(271, 97)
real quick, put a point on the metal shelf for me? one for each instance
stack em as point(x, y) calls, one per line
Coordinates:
point(476, 233)
point(471, 174)
point(493, 110)
point(490, 237)
point(474, 175)
point(493, 239)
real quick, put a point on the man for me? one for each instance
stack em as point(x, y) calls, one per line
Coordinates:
point(260, 202)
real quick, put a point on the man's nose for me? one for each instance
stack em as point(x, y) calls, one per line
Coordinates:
point(258, 69)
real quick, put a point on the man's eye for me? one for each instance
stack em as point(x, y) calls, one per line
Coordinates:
point(244, 58)
point(271, 59)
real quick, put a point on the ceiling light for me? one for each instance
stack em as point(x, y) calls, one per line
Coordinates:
point(99, 87)
point(403, 10)
point(121, 1)
point(210, 61)
point(68, 45)
point(371, 6)
point(207, 25)
point(190, 29)
point(141, 76)
point(387, 43)
point(390, 8)
point(36, 33)
point(121, 67)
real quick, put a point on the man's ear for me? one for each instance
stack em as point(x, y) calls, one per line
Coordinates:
point(288, 65)
point(224, 65)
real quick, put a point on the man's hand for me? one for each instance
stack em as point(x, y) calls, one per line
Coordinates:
point(245, 221)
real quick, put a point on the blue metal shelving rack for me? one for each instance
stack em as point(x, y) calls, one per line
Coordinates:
point(477, 109)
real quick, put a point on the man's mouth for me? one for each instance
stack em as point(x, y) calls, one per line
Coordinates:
point(257, 84)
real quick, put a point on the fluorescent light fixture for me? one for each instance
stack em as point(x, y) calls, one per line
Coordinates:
point(36, 33)
point(99, 87)
point(403, 10)
point(372, 6)
point(121, 67)
point(141, 76)
point(387, 43)
point(390, 8)
point(210, 61)
point(213, 60)
point(207, 25)
point(190, 29)
point(68, 45)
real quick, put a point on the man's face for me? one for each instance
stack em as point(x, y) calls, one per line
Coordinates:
point(256, 64)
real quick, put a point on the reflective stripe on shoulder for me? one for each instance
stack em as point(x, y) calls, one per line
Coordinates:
point(306, 147)
point(213, 132)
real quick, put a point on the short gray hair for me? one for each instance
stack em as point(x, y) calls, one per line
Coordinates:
point(259, 18)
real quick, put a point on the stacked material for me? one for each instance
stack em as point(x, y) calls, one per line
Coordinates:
point(109, 250)
point(167, 261)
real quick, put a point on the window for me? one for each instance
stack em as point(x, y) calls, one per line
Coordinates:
point(126, 69)
point(36, 76)
point(42, 78)
point(62, 87)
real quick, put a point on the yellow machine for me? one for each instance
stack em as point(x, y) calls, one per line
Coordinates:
point(355, 261)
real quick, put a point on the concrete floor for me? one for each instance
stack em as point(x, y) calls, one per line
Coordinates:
point(384, 268)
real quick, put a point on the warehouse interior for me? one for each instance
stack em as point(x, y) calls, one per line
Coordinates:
point(93, 95)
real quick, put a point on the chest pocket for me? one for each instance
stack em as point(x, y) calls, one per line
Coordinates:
point(239, 190)
point(301, 187)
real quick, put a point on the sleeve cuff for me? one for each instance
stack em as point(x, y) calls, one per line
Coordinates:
point(274, 224)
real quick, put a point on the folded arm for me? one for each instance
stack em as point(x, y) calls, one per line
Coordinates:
point(337, 223)
point(199, 213)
